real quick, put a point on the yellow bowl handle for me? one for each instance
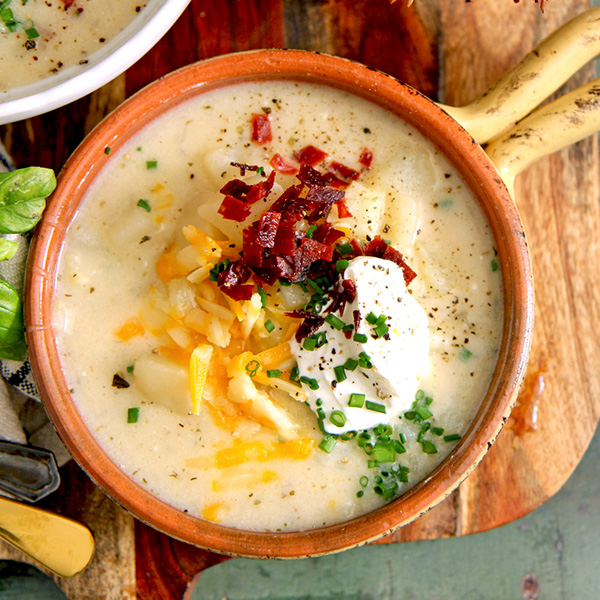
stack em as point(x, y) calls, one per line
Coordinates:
point(539, 75)
point(565, 121)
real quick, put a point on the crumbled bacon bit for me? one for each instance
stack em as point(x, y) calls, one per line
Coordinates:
point(322, 198)
point(310, 155)
point(276, 245)
point(119, 383)
point(350, 288)
point(261, 129)
point(233, 209)
point(282, 166)
point(366, 158)
point(236, 188)
point(380, 248)
point(267, 229)
point(344, 172)
point(311, 323)
point(342, 208)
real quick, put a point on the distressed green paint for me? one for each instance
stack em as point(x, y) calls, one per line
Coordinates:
point(559, 543)
point(19, 581)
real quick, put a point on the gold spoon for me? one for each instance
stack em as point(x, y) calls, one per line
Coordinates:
point(62, 545)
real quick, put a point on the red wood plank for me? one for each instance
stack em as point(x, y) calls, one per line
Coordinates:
point(207, 29)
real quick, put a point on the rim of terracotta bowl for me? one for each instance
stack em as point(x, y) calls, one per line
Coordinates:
point(477, 170)
point(74, 82)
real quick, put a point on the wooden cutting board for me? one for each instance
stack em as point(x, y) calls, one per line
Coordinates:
point(451, 51)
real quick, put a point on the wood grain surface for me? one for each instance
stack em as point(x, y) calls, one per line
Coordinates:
point(452, 51)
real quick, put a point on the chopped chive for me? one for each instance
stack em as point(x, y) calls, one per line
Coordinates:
point(428, 400)
point(310, 231)
point(381, 330)
point(399, 447)
point(341, 264)
point(384, 452)
point(327, 443)
point(428, 447)
point(465, 354)
point(360, 494)
point(32, 33)
point(364, 481)
point(133, 414)
point(129, 368)
point(269, 326)
point(313, 384)
point(423, 412)
point(107, 149)
point(372, 464)
point(402, 437)
point(319, 402)
point(263, 297)
point(309, 343)
point(338, 418)
point(375, 406)
point(348, 435)
point(314, 285)
point(151, 164)
point(356, 400)
point(340, 373)
point(371, 318)
point(350, 364)
point(260, 171)
point(419, 395)
point(360, 337)
point(437, 431)
point(335, 322)
point(295, 374)
point(218, 268)
point(364, 360)
point(320, 338)
point(348, 327)
point(284, 283)
point(495, 266)
point(452, 437)
point(252, 368)
point(345, 248)
point(144, 204)
point(273, 373)
point(321, 413)
point(411, 415)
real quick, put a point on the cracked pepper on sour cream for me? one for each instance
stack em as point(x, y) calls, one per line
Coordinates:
point(213, 398)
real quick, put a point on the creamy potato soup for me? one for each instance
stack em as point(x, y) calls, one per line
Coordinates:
point(40, 38)
point(278, 307)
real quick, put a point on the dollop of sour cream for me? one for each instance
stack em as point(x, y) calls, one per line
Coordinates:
point(392, 348)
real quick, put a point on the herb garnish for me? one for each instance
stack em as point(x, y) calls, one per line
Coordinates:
point(23, 194)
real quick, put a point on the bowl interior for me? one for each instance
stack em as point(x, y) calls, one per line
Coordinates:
point(454, 142)
point(105, 64)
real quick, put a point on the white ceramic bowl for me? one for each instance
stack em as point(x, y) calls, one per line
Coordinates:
point(105, 64)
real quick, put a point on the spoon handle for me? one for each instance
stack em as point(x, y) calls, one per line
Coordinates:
point(62, 545)
point(27, 473)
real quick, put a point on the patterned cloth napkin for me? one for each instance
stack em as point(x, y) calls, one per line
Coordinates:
point(22, 416)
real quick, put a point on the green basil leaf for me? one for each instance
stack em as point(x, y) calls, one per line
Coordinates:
point(23, 196)
point(12, 330)
point(8, 248)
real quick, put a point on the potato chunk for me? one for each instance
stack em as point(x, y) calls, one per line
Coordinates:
point(163, 381)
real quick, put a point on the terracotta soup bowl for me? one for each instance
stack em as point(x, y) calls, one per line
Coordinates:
point(453, 141)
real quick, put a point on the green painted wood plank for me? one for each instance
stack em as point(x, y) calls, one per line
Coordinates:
point(19, 581)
